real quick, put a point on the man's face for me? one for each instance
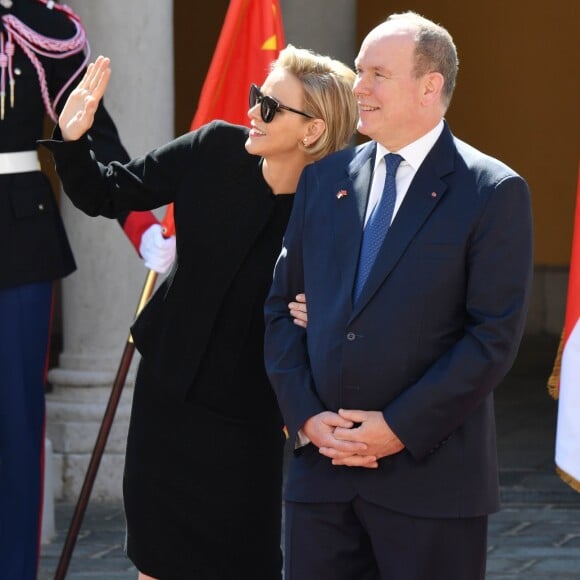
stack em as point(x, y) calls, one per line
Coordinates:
point(388, 95)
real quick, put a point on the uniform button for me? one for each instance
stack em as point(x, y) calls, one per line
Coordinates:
point(350, 336)
point(41, 207)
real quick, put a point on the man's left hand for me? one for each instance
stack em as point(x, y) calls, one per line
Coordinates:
point(372, 430)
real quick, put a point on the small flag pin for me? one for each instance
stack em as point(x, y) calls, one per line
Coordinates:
point(342, 193)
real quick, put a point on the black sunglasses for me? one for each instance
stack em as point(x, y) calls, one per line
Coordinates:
point(270, 106)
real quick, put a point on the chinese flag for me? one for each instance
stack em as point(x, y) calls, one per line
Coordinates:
point(251, 38)
point(564, 383)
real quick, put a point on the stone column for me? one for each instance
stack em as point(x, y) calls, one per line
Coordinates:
point(100, 298)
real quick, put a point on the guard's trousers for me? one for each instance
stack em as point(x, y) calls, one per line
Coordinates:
point(25, 313)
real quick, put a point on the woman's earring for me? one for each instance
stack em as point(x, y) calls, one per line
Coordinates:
point(305, 141)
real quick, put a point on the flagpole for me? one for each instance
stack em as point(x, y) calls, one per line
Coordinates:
point(102, 436)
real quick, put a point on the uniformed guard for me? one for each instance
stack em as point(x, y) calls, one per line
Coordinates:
point(43, 53)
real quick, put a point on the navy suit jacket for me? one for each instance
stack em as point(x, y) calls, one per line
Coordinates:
point(435, 330)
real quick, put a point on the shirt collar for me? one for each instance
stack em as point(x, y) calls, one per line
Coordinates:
point(414, 153)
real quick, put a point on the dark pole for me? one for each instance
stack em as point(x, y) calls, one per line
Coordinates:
point(102, 437)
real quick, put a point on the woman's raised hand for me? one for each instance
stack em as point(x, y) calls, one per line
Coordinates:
point(78, 113)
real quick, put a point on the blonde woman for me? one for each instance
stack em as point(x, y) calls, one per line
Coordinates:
point(203, 473)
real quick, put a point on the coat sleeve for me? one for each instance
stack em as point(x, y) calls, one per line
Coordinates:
point(144, 183)
point(286, 354)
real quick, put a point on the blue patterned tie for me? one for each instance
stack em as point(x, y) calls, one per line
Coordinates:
point(377, 224)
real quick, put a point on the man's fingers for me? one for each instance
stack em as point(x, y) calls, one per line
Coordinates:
point(353, 415)
point(346, 434)
point(333, 448)
point(299, 318)
point(296, 312)
point(333, 420)
point(336, 453)
point(369, 461)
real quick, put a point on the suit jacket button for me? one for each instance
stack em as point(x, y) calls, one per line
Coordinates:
point(350, 336)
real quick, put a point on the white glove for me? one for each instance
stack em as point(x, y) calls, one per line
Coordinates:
point(158, 252)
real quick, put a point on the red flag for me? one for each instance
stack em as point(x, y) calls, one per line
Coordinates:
point(251, 38)
point(564, 380)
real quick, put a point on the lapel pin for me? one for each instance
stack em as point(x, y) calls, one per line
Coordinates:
point(342, 193)
point(433, 195)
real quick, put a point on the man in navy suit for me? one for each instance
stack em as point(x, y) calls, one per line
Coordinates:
point(388, 394)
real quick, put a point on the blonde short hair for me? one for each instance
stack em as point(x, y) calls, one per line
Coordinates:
point(327, 95)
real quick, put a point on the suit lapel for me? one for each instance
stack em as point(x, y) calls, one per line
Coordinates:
point(349, 205)
point(425, 193)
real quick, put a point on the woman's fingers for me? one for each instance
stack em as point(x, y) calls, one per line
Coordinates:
point(103, 82)
point(96, 78)
point(96, 74)
point(78, 113)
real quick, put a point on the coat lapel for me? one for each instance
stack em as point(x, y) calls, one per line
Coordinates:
point(254, 209)
point(240, 214)
point(424, 194)
point(349, 211)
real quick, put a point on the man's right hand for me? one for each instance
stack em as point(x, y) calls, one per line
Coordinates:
point(320, 430)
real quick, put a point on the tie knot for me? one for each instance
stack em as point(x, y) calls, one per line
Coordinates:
point(392, 160)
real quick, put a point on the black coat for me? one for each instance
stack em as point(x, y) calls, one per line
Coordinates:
point(219, 211)
point(203, 468)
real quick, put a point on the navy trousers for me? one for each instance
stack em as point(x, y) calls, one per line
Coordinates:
point(362, 541)
point(25, 313)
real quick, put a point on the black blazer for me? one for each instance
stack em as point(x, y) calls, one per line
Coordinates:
point(435, 330)
point(221, 203)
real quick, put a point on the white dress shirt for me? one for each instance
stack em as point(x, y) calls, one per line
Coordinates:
point(413, 155)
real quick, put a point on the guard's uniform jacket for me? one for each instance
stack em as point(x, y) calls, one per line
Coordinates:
point(35, 252)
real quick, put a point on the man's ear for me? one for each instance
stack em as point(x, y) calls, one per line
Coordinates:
point(432, 88)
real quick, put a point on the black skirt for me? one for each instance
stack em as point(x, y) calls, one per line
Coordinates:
point(202, 490)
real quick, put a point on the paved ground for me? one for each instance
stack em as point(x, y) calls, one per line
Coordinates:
point(536, 536)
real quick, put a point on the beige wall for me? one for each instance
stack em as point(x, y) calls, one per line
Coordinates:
point(517, 93)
